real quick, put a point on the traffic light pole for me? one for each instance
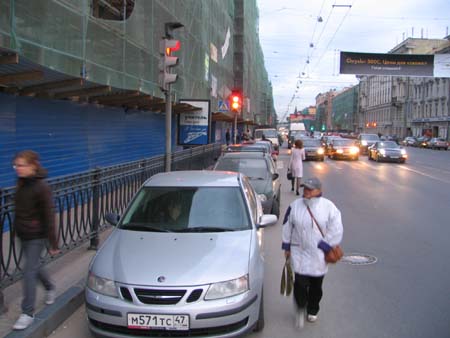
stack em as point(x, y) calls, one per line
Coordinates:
point(168, 158)
point(235, 127)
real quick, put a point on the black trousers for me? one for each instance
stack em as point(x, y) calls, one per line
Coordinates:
point(308, 292)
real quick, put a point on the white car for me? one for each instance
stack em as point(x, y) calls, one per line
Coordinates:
point(184, 260)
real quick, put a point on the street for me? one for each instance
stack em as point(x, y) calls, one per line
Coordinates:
point(397, 213)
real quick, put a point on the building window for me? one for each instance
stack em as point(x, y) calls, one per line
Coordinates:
point(118, 10)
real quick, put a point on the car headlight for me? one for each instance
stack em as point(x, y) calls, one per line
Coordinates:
point(320, 151)
point(102, 285)
point(354, 150)
point(227, 289)
point(339, 151)
point(364, 143)
point(403, 151)
point(382, 152)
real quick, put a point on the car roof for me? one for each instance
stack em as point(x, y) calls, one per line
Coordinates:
point(245, 154)
point(194, 178)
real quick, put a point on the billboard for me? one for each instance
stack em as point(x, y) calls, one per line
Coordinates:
point(194, 127)
point(387, 64)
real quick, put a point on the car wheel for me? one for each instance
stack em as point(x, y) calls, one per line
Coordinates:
point(276, 208)
point(259, 326)
point(322, 158)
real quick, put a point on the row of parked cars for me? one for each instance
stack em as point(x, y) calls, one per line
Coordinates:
point(426, 142)
point(185, 258)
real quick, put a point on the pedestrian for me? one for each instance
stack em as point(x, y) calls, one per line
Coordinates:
point(296, 164)
point(304, 244)
point(228, 136)
point(34, 224)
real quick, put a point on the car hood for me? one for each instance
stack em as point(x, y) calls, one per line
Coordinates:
point(261, 186)
point(139, 258)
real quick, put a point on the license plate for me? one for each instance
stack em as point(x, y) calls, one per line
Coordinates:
point(394, 156)
point(158, 322)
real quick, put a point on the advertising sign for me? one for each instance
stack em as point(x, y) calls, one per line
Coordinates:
point(386, 64)
point(193, 127)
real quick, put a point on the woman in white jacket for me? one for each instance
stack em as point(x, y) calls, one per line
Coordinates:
point(296, 163)
point(304, 244)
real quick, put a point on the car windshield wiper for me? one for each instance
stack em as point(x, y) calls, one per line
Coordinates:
point(142, 227)
point(205, 229)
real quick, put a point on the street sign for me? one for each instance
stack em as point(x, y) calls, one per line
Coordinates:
point(223, 106)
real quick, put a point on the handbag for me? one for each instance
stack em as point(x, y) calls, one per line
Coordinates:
point(287, 278)
point(289, 175)
point(336, 252)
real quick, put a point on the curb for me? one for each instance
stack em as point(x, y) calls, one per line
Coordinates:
point(47, 320)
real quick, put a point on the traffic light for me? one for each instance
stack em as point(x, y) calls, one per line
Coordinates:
point(311, 128)
point(236, 101)
point(166, 47)
point(323, 127)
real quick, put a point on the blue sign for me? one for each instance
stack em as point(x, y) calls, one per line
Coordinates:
point(223, 106)
point(193, 128)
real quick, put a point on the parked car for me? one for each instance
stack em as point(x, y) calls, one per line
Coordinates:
point(313, 149)
point(343, 149)
point(438, 143)
point(409, 141)
point(366, 140)
point(270, 134)
point(262, 173)
point(262, 146)
point(202, 274)
point(387, 151)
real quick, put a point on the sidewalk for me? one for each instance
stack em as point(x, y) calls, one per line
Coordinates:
point(69, 273)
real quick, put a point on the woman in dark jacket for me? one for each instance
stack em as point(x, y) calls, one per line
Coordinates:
point(34, 224)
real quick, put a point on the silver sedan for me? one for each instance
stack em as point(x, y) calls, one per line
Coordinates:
point(185, 260)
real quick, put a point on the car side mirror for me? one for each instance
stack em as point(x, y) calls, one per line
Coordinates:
point(275, 176)
point(267, 220)
point(112, 218)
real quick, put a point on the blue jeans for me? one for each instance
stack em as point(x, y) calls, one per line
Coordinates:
point(32, 272)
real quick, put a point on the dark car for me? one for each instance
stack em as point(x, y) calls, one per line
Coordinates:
point(326, 142)
point(296, 135)
point(423, 142)
point(438, 143)
point(409, 141)
point(343, 149)
point(387, 151)
point(262, 172)
point(365, 141)
point(313, 149)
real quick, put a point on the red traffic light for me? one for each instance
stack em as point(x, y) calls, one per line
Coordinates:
point(236, 101)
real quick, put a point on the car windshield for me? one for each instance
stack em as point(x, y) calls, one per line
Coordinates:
point(196, 209)
point(254, 168)
point(267, 133)
point(388, 144)
point(343, 142)
point(370, 137)
point(311, 143)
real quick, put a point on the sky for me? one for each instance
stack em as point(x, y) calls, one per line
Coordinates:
point(302, 40)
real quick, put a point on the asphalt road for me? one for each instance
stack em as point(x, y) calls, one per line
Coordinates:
point(397, 213)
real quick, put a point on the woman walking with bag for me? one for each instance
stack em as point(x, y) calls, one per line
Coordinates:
point(303, 242)
point(296, 164)
point(34, 224)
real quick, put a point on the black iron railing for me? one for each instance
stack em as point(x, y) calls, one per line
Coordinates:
point(83, 200)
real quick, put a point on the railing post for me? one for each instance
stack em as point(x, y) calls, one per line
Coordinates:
point(3, 307)
point(95, 210)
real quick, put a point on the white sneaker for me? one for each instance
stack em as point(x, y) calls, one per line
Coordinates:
point(50, 297)
point(23, 322)
point(312, 318)
point(300, 319)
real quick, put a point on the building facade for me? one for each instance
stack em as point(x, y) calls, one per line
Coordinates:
point(403, 106)
point(97, 63)
point(344, 109)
